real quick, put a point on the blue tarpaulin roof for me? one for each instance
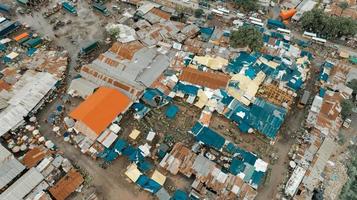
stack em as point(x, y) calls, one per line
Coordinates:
point(120, 145)
point(322, 92)
point(206, 32)
point(171, 111)
point(179, 195)
point(236, 167)
point(261, 115)
point(209, 137)
point(186, 89)
point(138, 106)
point(144, 166)
point(257, 178)
point(154, 97)
point(148, 184)
point(244, 59)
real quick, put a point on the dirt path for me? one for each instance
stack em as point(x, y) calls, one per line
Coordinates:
point(279, 169)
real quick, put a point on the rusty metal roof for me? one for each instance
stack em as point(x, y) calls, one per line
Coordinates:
point(206, 79)
point(67, 185)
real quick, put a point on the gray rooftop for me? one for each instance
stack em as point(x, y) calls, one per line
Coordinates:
point(23, 185)
point(140, 72)
point(202, 166)
point(323, 154)
point(9, 169)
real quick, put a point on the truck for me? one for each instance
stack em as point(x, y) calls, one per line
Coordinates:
point(89, 48)
point(304, 99)
point(101, 8)
point(70, 8)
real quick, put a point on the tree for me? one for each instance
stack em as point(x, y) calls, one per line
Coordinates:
point(328, 26)
point(343, 5)
point(347, 106)
point(198, 13)
point(314, 20)
point(349, 190)
point(247, 5)
point(113, 29)
point(247, 36)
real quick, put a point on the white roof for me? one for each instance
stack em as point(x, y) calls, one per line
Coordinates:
point(27, 93)
point(114, 128)
point(2, 19)
point(294, 181)
point(150, 136)
point(44, 163)
point(12, 55)
point(260, 165)
point(107, 138)
point(23, 185)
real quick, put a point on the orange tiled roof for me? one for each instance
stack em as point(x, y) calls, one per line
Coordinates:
point(99, 109)
point(67, 185)
point(206, 79)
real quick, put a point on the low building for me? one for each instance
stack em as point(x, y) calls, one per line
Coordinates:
point(10, 167)
point(313, 175)
point(24, 185)
point(294, 181)
point(303, 7)
point(27, 96)
point(97, 112)
point(205, 79)
point(128, 67)
point(66, 185)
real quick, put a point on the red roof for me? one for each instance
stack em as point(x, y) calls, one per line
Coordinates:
point(100, 109)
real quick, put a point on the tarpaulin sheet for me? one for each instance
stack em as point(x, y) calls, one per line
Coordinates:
point(180, 195)
point(210, 138)
point(171, 111)
point(148, 184)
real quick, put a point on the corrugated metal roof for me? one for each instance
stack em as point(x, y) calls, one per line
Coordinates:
point(23, 185)
point(9, 169)
point(136, 69)
point(4, 154)
point(312, 179)
point(82, 87)
point(205, 79)
point(28, 92)
point(67, 185)
point(100, 109)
